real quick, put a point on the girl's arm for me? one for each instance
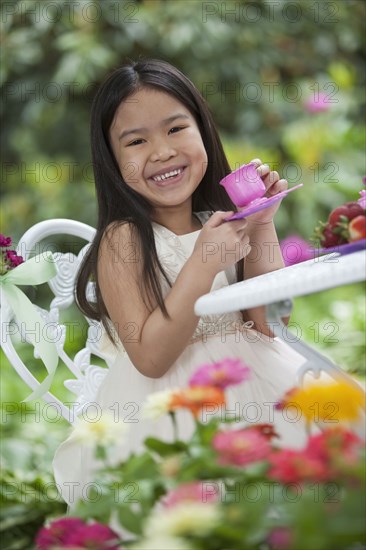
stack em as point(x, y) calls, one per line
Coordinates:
point(152, 341)
point(265, 254)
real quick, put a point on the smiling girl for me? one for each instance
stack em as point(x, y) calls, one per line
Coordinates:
point(157, 161)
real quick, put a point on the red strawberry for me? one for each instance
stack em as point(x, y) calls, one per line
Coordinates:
point(357, 228)
point(348, 210)
point(329, 238)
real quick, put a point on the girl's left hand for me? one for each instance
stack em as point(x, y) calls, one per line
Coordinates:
point(274, 185)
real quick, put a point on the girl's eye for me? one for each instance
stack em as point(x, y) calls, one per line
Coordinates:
point(176, 129)
point(135, 142)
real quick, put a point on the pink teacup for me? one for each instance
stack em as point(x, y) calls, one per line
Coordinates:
point(244, 185)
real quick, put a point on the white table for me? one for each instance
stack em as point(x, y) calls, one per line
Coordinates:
point(276, 289)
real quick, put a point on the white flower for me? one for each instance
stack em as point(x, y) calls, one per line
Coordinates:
point(157, 404)
point(106, 429)
point(195, 518)
point(162, 543)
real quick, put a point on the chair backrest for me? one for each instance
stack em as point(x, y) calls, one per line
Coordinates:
point(86, 377)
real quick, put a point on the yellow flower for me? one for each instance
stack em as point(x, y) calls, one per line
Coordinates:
point(104, 430)
point(182, 519)
point(328, 402)
point(163, 543)
point(157, 404)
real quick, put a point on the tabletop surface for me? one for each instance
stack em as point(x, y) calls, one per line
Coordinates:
point(314, 275)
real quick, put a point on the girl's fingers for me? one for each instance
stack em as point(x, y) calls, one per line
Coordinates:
point(278, 187)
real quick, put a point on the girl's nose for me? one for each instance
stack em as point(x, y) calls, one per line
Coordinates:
point(162, 151)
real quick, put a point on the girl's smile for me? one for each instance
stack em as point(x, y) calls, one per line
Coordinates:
point(159, 148)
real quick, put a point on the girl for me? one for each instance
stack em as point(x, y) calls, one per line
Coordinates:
point(161, 243)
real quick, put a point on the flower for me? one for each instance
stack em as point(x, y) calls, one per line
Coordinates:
point(103, 431)
point(196, 519)
point(194, 491)
point(162, 543)
point(157, 404)
point(75, 533)
point(57, 532)
point(195, 398)
point(228, 372)
point(292, 466)
point(339, 448)
point(239, 447)
point(362, 200)
point(5, 241)
point(329, 402)
point(317, 104)
point(9, 259)
point(294, 250)
point(94, 536)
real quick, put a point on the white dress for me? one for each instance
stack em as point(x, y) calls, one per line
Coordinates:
point(273, 363)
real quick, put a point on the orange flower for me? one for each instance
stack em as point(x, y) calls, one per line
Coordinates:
point(328, 402)
point(196, 398)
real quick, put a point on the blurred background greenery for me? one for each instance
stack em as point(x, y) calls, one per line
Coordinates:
point(285, 82)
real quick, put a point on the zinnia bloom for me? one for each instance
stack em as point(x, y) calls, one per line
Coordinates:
point(292, 466)
point(157, 404)
point(228, 372)
point(93, 537)
point(195, 398)
point(56, 533)
point(103, 431)
point(341, 449)
point(195, 519)
point(239, 447)
point(328, 402)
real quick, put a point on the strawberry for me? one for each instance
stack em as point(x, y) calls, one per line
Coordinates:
point(330, 238)
point(345, 213)
point(357, 229)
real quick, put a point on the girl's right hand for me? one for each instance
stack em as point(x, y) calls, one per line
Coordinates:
point(221, 244)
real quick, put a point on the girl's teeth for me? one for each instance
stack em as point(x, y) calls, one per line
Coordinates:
point(163, 177)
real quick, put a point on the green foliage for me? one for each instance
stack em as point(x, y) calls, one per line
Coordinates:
point(255, 63)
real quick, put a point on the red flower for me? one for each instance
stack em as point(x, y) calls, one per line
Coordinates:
point(57, 532)
point(94, 537)
point(5, 241)
point(291, 466)
point(74, 532)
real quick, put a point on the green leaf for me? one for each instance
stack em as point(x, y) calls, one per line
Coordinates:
point(165, 449)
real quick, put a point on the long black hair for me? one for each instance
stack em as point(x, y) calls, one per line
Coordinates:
point(117, 202)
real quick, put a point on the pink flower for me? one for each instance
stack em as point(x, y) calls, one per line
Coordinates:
point(57, 532)
point(280, 538)
point(318, 104)
point(362, 200)
point(291, 466)
point(295, 250)
point(228, 372)
point(194, 491)
point(93, 537)
point(74, 532)
point(5, 241)
point(13, 258)
point(239, 447)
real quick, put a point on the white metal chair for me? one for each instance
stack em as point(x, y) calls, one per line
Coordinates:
point(87, 377)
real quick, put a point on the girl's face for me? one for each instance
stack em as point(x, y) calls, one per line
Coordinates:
point(158, 147)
